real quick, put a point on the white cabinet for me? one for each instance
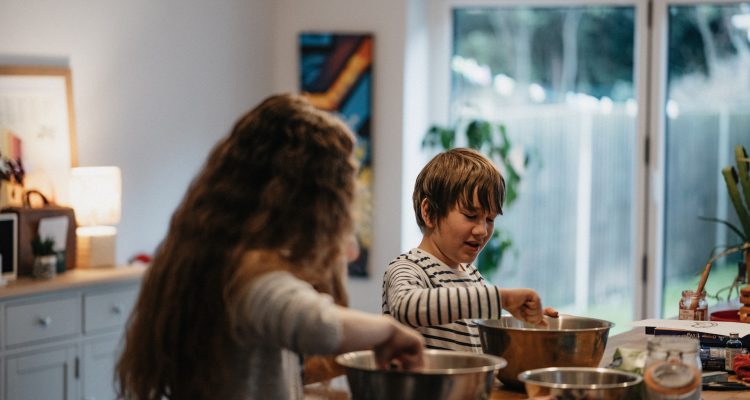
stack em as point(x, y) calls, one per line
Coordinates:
point(48, 374)
point(98, 358)
point(61, 341)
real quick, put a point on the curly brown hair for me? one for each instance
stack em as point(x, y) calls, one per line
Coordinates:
point(282, 182)
point(451, 178)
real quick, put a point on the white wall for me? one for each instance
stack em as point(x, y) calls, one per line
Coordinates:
point(155, 83)
point(386, 19)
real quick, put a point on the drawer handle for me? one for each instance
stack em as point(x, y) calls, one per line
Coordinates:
point(117, 310)
point(45, 321)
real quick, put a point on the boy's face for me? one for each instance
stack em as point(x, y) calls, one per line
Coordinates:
point(460, 236)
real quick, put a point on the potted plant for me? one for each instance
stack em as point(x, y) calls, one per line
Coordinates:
point(492, 140)
point(45, 257)
point(737, 179)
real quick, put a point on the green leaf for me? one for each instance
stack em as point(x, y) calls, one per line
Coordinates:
point(729, 225)
point(479, 134)
point(731, 179)
point(740, 155)
point(43, 247)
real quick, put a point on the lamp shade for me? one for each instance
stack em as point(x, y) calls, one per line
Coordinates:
point(95, 195)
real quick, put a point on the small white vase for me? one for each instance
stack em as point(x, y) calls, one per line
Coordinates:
point(45, 267)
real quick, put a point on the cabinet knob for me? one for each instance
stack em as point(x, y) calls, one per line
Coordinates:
point(116, 309)
point(45, 321)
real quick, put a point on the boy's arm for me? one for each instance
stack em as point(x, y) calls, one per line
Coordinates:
point(411, 301)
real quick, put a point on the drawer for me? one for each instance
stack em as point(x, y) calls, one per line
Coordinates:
point(107, 310)
point(42, 320)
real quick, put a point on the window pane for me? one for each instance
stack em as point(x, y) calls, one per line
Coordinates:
point(561, 81)
point(707, 115)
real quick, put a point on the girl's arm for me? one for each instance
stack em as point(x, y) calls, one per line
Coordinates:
point(282, 310)
point(389, 339)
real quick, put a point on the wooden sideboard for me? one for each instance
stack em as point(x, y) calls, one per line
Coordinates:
point(59, 338)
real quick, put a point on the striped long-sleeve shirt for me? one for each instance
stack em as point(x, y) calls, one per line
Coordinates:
point(421, 291)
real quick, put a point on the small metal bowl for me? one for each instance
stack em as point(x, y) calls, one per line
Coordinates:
point(573, 383)
point(567, 341)
point(453, 375)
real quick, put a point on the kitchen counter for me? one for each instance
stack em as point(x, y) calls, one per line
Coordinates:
point(635, 338)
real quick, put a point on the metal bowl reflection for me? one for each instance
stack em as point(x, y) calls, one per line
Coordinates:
point(567, 341)
point(581, 383)
point(446, 375)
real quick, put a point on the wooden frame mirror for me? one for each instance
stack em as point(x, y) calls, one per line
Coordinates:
point(37, 125)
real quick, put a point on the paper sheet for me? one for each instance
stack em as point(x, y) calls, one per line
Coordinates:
point(56, 228)
point(713, 327)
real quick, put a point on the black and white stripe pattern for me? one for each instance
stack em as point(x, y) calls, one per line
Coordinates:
point(424, 293)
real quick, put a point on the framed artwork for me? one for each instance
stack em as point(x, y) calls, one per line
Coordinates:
point(8, 246)
point(336, 75)
point(37, 126)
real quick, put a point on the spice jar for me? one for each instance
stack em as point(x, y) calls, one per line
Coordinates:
point(693, 306)
point(673, 369)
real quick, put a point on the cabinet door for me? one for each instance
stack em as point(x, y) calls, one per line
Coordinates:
point(47, 375)
point(99, 358)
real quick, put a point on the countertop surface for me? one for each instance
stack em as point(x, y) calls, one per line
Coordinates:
point(635, 338)
point(72, 279)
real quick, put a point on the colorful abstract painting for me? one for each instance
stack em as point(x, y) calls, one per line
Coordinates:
point(336, 75)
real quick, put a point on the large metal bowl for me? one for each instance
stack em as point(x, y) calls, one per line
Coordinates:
point(453, 375)
point(568, 341)
point(572, 383)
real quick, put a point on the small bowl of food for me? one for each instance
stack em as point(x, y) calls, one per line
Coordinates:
point(576, 383)
point(566, 341)
point(453, 375)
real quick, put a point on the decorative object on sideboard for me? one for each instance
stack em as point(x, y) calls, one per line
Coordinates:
point(95, 194)
point(45, 258)
point(8, 246)
point(40, 217)
point(11, 170)
point(737, 178)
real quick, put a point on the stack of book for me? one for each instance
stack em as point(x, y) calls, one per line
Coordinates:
point(712, 336)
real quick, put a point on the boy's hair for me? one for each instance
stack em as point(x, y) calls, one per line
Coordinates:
point(451, 178)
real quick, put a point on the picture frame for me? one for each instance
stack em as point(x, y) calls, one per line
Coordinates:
point(336, 75)
point(37, 120)
point(8, 246)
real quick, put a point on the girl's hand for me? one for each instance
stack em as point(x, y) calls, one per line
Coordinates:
point(402, 349)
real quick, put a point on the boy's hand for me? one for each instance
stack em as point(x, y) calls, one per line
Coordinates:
point(526, 305)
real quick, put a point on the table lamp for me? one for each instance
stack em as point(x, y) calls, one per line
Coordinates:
point(95, 195)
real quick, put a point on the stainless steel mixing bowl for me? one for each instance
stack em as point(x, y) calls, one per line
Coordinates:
point(568, 341)
point(446, 375)
point(574, 383)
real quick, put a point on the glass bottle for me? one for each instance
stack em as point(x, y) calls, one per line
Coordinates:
point(673, 368)
point(693, 306)
point(733, 347)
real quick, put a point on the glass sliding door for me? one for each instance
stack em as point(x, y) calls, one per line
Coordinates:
point(564, 81)
point(705, 113)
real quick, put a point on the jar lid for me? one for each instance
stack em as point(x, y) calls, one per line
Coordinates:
point(673, 375)
point(671, 378)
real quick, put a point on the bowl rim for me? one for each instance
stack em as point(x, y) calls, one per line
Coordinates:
point(496, 361)
point(483, 324)
point(525, 378)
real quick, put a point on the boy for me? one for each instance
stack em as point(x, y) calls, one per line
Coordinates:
point(434, 287)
